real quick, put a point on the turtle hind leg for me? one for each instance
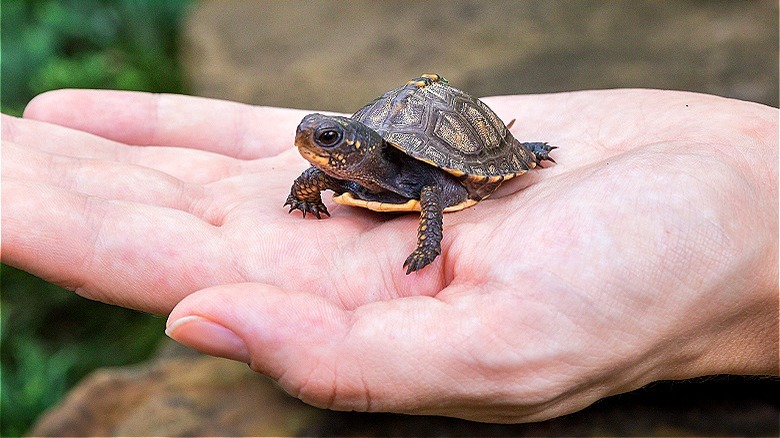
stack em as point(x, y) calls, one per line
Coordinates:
point(541, 151)
point(429, 232)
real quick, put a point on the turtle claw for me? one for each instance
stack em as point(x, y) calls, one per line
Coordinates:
point(420, 258)
point(541, 151)
point(317, 208)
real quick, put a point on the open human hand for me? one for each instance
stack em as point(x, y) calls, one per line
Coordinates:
point(649, 252)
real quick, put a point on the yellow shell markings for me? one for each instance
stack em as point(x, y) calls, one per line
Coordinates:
point(430, 76)
point(348, 198)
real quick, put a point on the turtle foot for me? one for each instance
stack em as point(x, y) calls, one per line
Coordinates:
point(317, 208)
point(420, 258)
point(541, 151)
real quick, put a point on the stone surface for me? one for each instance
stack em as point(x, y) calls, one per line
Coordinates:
point(182, 393)
point(177, 395)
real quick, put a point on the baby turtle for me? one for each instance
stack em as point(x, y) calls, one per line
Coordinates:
point(425, 146)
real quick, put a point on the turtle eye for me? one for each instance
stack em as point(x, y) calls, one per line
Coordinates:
point(328, 137)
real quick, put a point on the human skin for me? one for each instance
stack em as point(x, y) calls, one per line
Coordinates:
point(648, 252)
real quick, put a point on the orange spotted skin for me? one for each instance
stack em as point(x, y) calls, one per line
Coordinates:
point(429, 231)
point(425, 146)
point(305, 193)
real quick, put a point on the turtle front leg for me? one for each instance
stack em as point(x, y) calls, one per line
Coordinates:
point(429, 233)
point(305, 192)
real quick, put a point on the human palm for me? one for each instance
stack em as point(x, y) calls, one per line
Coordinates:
point(587, 278)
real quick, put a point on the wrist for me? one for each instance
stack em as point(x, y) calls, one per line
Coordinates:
point(746, 345)
point(741, 334)
point(744, 337)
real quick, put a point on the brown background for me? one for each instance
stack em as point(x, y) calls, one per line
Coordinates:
point(336, 55)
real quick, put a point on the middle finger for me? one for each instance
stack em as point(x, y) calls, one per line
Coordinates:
point(185, 164)
point(104, 179)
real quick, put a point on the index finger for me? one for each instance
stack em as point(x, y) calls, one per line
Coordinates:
point(229, 128)
point(119, 252)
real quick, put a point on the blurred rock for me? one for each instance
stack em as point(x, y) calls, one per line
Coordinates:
point(189, 395)
point(182, 393)
point(337, 55)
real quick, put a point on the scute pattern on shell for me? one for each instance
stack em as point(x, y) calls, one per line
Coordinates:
point(444, 126)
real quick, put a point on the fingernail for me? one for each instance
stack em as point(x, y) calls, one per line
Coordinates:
point(208, 337)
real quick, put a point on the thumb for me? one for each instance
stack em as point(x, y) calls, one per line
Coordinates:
point(383, 356)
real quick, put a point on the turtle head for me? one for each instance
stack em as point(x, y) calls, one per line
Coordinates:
point(339, 146)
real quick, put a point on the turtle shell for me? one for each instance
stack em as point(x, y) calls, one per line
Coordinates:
point(434, 122)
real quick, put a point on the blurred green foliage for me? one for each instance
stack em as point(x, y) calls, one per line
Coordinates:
point(51, 338)
point(120, 44)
